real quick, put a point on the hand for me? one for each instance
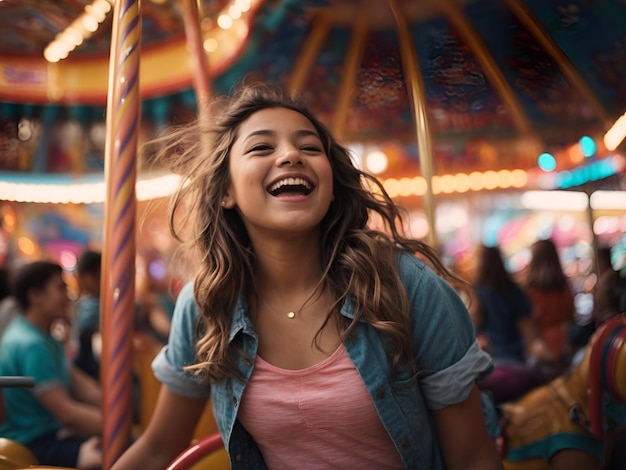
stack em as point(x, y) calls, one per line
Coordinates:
point(90, 454)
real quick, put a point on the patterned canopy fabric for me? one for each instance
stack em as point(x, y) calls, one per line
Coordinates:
point(502, 81)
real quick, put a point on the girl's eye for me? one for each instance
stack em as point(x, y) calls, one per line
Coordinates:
point(311, 148)
point(260, 148)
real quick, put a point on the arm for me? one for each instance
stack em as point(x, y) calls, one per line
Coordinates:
point(84, 388)
point(462, 434)
point(81, 418)
point(168, 434)
point(444, 342)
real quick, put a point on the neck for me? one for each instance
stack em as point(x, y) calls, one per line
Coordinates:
point(38, 321)
point(288, 283)
point(287, 268)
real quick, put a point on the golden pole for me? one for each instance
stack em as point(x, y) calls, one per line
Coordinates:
point(351, 67)
point(493, 72)
point(417, 95)
point(525, 16)
point(310, 50)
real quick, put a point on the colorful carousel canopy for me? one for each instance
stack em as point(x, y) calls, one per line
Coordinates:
point(498, 82)
point(439, 87)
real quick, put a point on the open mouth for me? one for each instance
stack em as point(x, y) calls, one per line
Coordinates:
point(291, 186)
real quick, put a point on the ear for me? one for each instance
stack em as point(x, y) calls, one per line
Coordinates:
point(33, 296)
point(227, 202)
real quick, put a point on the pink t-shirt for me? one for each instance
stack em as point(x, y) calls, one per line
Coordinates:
point(320, 417)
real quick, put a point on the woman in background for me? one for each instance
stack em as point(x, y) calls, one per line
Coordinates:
point(552, 299)
point(502, 315)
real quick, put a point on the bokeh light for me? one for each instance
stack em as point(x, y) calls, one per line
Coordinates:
point(546, 162)
point(587, 146)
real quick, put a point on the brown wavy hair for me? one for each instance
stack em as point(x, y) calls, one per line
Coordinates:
point(491, 272)
point(358, 261)
point(544, 271)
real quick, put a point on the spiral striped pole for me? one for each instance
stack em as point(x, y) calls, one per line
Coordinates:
point(118, 254)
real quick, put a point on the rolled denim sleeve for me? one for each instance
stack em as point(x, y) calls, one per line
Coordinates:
point(180, 350)
point(447, 357)
point(452, 384)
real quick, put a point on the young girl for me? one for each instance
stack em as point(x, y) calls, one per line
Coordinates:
point(322, 343)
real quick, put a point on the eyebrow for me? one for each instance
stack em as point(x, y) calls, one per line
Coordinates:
point(267, 132)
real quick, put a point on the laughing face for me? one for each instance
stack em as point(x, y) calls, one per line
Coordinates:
point(281, 179)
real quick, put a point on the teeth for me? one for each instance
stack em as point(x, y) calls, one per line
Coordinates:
point(290, 182)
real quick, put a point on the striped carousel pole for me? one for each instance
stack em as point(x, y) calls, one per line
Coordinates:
point(118, 273)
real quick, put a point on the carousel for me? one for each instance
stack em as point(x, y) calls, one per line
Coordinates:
point(495, 122)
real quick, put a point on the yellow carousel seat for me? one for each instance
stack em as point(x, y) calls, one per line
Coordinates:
point(14, 455)
point(569, 408)
point(145, 350)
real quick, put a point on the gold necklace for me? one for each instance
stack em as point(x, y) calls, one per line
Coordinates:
point(291, 314)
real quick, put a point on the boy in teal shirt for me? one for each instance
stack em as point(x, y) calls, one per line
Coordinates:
point(60, 418)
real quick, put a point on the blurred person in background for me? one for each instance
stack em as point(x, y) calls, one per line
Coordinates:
point(86, 326)
point(552, 299)
point(7, 312)
point(505, 328)
point(544, 425)
point(8, 306)
point(59, 420)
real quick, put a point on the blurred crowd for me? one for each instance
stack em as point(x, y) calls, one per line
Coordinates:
point(50, 331)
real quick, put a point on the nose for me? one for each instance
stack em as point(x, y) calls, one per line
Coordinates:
point(290, 155)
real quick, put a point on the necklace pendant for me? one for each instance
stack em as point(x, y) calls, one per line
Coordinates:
point(291, 315)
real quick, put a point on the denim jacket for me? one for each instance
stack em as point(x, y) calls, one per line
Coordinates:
point(446, 354)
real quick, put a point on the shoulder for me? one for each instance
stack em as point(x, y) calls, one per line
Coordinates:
point(19, 334)
point(186, 299)
point(186, 309)
point(519, 292)
point(410, 267)
point(433, 302)
point(186, 293)
point(8, 307)
point(418, 277)
point(409, 261)
point(92, 301)
point(87, 303)
point(482, 290)
point(21, 344)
